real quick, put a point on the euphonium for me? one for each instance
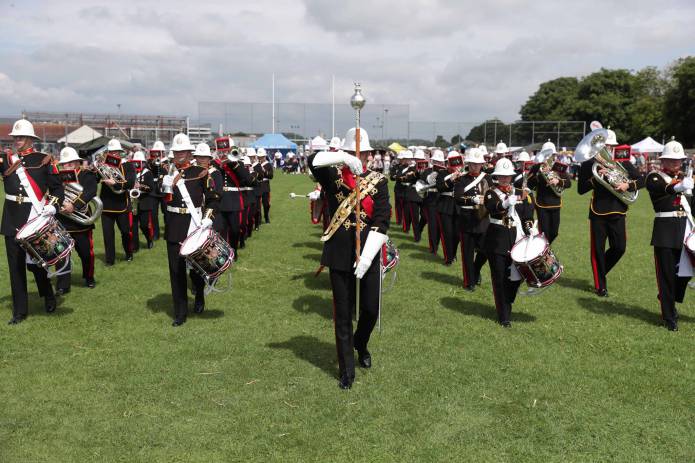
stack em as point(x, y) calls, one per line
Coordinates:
point(81, 215)
point(593, 145)
point(108, 172)
point(548, 174)
point(423, 187)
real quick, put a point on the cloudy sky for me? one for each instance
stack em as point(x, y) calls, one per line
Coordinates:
point(449, 60)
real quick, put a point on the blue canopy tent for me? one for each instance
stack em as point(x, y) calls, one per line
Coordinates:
point(273, 142)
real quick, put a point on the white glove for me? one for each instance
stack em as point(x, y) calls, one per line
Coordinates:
point(372, 247)
point(167, 180)
point(329, 158)
point(477, 200)
point(352, 163)
point(314, 195)
point(206, 223)
point(685, 184)
point(48, 209)
point(510, 201)
point(533, 231)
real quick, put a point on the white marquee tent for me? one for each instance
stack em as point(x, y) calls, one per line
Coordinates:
point(648, 145)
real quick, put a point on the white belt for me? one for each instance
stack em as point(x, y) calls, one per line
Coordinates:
point(266, 179)
point(447, 193)
point(246, 188)
point(508, 224)
point(467, 207)
point(663, 215)
point(231, 188)
point(19, 199)
point(180, 210)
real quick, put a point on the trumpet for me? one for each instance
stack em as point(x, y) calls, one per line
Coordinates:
point(83, 215)
point(134, 193)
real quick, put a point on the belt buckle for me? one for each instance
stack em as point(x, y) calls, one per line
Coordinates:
point(680, 213)
point(20, 199)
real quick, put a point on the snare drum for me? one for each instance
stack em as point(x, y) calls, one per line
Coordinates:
point(207, 253)
point(690, 246)
point(535, 261)
point(45, 240)
point(389, 256)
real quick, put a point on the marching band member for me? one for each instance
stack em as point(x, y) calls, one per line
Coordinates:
point(193, 192)
point(511, 214)
point(117, 204)
point(429, 202)
point(447, 215)
point(230, 220)
point(156, 166)
point(418, 218)
point(144, 204)
point(398, 188)
point(607, 216)
point(268, 173)
point(406, 176)
point(29, 176)
point(469, 194)
point(71, 172)
point(547, 200)
point(337, 172)
point(250, 193)
point(668, 191)
point(258, 188)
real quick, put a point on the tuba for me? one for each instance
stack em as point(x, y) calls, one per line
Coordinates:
point(593, 145)
point(546, 171)
point(109, 172)
point(82, 216)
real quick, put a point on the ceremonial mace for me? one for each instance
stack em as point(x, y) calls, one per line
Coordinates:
point(357, 102)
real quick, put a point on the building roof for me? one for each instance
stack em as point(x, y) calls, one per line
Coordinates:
point(80, 136)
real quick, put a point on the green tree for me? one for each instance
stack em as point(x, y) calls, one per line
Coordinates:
point(554, 100)
point(441, 142)
point(679, 101)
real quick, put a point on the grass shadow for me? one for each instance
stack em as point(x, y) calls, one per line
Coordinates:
point(36, 305)
point(484, 311)
point(311, 303)
point(411, 245)
point(442, 278)
point(312, 256)
point(420, 255)
point(309, 244)
point(161, 303)
point(574, 283)
point(311, 281)
point(311, 349)
point(208, 314)
point(605, 307)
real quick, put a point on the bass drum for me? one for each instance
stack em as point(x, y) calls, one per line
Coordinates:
point(536, 262)
point(207, 253)
point(45, 240)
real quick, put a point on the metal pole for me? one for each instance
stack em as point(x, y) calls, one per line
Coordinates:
point(558, 135)
point(533, 132)
point(333, 106)
point(494, 141)
point(485, 133)
point(510, 134)
point(273, 110)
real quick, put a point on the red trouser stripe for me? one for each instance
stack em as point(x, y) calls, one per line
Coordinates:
point(658, 284)
point(90, 271)
point(441, 237)
point(594, 266)
point(130, 231)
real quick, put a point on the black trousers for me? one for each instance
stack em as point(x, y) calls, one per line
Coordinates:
point(266, 206)
point(162, 207)
point(449, 235)
point(250, 219)
point(417, 219)
point(472, 257)
point(84, 246)
point(611, 228)
point(16, 260)
point(143, 221)
point(548, 222)
point(406, 217)
point(503, 289)
point(399, 210)
point(432, 227)
point(179, 281)
point(124, 220)
point(228, 224)
point(671, 287)
point(257, 218)
point(343, 286)
point(155, 219)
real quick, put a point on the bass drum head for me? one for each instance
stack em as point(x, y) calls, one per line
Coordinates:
point(194, 241)
point(528, 248)
point(33, 227)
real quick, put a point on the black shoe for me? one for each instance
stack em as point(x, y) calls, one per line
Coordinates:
point(17, 319)
point(199, 306)
point(364, 358)
point(602, 292)
point(242, 245)
point(506, 324)
point(150, 244)
point(178, 322)
point(256, 229)
point(267, 220)
point(345, 382)
point(62, 291)
point(50, 304)
point(129, 257)
point(478, 281)
point(108, 264)
point(90, 283)
point(448, 263)
point(672, 325)
point(469, 288)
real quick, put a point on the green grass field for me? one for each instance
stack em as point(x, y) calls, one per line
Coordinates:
point(577, 378)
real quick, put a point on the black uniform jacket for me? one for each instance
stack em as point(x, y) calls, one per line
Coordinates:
point(251, 182)
point(668, 232)
point(234, 176)
point(42, 171)
point(267, 168)
point(339, 250)
point(408, 176)
point(603, 202)
point(119, 202)
point(258, 187)
point(88, 181)
point(398, 187)
point(147, 200)
point(446, 203)
point(469, 220)
point(499, 239)
point(157, 174)
point(202, 191)
point(544, 195)
point(430, 198)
